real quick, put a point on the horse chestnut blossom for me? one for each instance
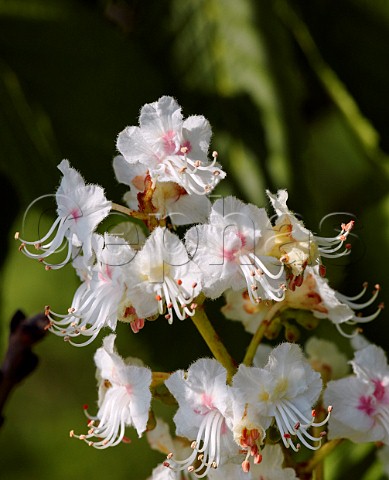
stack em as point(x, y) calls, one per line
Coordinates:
point(230, 250)
point(361, 401)
point(314, 295)
point(236, 416)
point(298, 247)
point(173, 149)
point(80, 209)
point(284, 391)
point(97, 301)
point(168, 199)
point(203, 415)
point(270, 468)
point(124, 398)
point(163, 277)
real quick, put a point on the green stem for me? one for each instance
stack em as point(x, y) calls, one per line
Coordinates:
point(213, 341)
point(257, 338)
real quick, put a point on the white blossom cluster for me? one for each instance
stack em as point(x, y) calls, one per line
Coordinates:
point(231, 422)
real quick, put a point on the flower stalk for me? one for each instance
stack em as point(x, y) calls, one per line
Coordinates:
point(258, 336)
point(212, 339)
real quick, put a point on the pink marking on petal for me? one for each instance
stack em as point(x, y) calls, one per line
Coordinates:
point(379, 391)
point(75, 214)
point(229, 255)
point(105, 275)
point(242, 238)
point(207, 401)
point(129, 389)
point(169, 145)
point(365, 405)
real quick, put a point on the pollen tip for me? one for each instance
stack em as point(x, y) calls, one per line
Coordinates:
point(71, 433)
point(158, 298)
point(215, 154)
point(381, 306)
point(330, 408)
point(246, 466)
point(348, 246)
point(258, 458)
point(191, 469)
point(179, 282)
point(377, 286)
point(166, 464)
point(313, 413)
point(126, 440)
point(47, 309)
point(193, 445)
point(17, 235)
point(47, 267)
point(365, 284)
point(85, 406)
point(322, 434)
point(169, 456)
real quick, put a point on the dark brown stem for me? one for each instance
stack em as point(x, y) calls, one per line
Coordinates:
point(19, 360)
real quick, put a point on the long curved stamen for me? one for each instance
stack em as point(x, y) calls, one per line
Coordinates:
point(186, 171)
point(111, 427)
point(287, 411)
point(327, 241)
point(52, 247)
point(265, 270)
point(174, 294)
point(44, 238)
point(327, 253)
point(353, 334)
point(358, 306)
point(206, 448)
point(254, 280)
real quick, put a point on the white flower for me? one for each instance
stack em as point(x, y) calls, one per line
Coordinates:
point(298, 247)
point(167, 198)
point(203, 415)
point(80, 209)
point(173, 149)
point(361, 402)
point(162, 275)
point(101, 299)
point(230, 252)
point(270, 468)
point(325, 357)
point(313, 294)
point(285, 391)
point(124, 398)
point(160, 439)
